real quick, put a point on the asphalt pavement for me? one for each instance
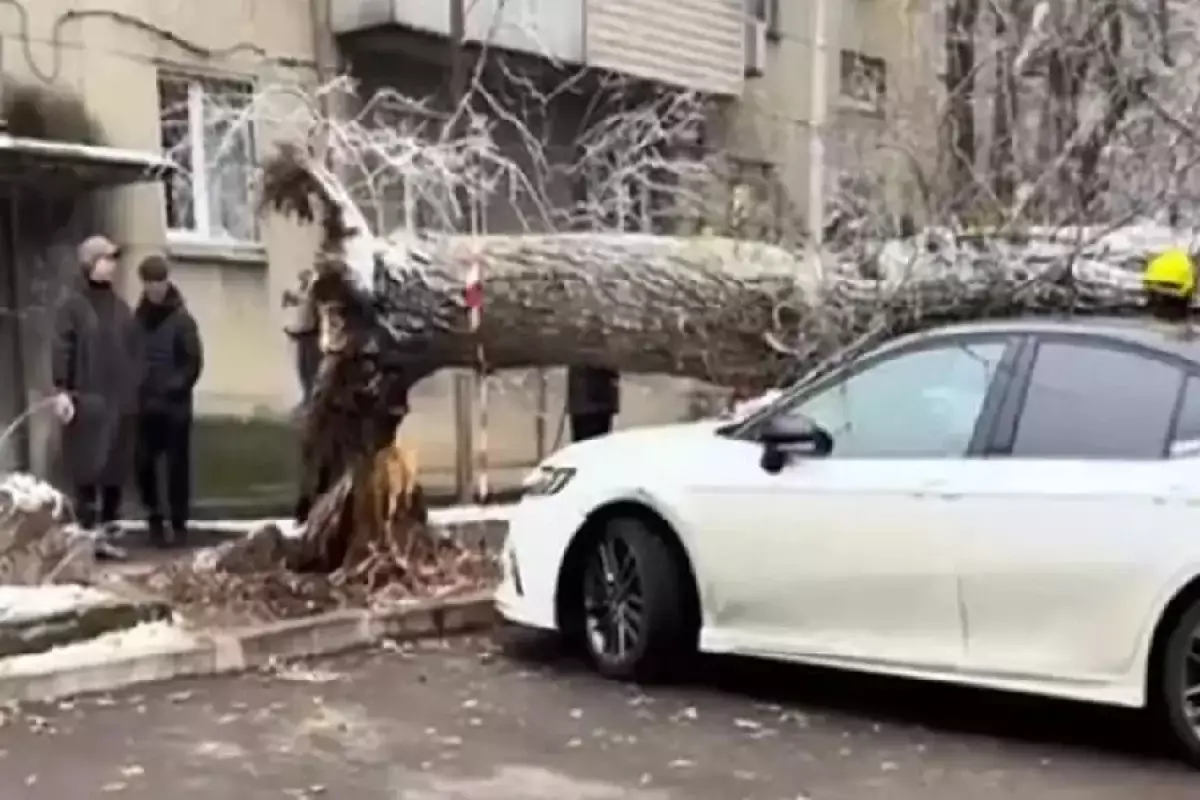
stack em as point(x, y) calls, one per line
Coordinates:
point(469, 720)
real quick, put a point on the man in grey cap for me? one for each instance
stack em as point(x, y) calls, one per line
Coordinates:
point(173, 359)
point(95, 367)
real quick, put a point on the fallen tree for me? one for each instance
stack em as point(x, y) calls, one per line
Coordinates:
point(737, 314)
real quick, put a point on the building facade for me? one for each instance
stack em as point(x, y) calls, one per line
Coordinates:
point(157, 76)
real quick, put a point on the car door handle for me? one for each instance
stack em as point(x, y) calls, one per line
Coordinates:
point(937, 488)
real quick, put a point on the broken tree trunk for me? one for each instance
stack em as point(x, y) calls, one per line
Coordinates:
point(737, 314)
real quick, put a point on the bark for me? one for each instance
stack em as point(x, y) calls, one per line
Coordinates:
point(1005, 110)
point(962, 17)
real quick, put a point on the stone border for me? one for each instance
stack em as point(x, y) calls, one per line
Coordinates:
point(242, 649)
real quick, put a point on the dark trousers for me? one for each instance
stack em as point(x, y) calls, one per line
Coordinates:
point(590, 425)
point(97, 505)
point(166, 438)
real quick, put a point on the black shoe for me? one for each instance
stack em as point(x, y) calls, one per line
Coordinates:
point(157, 533)
point(179, 534)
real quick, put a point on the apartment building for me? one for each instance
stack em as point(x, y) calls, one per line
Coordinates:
point(150, 74)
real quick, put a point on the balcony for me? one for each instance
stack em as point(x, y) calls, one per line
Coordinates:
point(552, 29)
point(694, 44)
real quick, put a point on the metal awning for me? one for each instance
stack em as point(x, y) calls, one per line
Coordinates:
point(50, 163)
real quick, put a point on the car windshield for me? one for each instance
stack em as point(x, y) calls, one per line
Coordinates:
point(756, 408)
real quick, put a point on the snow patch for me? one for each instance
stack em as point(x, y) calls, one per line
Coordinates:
point(144, 639)
point(755, 404)
point(21, 603)
point(29, 494)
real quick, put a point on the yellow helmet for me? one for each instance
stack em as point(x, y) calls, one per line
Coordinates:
point(1171, 273)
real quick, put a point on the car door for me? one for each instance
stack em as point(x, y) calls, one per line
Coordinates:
point(835, 556)
point(1063, 528)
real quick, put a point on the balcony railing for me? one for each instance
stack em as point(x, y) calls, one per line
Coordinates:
point(552, 29)
point(694, 44)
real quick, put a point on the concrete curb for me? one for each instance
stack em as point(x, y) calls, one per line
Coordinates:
point(242, 649)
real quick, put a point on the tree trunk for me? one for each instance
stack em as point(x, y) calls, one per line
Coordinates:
point(962, 17)
point(737, 314)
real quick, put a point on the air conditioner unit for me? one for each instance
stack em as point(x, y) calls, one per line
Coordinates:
point(756, 48)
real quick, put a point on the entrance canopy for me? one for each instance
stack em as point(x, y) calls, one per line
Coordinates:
point(52, 164)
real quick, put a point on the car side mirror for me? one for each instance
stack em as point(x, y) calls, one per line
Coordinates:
point(785, 436)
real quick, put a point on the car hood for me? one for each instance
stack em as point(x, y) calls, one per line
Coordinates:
point(631, 448)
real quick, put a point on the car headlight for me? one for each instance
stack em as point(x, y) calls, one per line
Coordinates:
point(544, 481)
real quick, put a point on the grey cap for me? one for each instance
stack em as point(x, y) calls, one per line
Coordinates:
point(94, 248)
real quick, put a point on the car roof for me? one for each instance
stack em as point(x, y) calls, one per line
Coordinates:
point(1141, 331)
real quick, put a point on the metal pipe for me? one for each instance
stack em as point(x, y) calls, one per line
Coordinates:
point(24, 442)
point(464, 384)
point(818, 114)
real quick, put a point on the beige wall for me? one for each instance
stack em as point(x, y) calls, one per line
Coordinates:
point(770, 122)
point(113, 66)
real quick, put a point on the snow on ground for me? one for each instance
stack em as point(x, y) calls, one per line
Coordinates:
point(150, 637)
point(29, 493)
point(21, 603)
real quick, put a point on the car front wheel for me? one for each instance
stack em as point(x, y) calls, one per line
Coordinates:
point(635, 622)
point(1179, 684)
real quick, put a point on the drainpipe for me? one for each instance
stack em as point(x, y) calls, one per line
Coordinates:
point(818, 113)
point(24, 441)
point(464, 383)
point(325, 50)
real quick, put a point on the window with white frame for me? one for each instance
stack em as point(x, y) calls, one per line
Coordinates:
point(206, 131)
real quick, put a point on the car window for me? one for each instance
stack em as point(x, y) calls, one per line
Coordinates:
point(1096, 402)
point(921, 404)
point(1186, 439)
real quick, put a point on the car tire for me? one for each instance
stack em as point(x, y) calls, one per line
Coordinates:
point(1178, 670)
point(663, 635)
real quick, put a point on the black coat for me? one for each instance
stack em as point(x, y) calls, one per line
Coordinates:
point(96, 358)
point(593, 390)
point(172, 356)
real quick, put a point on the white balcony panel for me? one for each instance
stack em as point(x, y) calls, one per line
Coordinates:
point(551, 29)
point(695, 44)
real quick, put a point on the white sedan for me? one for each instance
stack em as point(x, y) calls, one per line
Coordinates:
point(1011, 505)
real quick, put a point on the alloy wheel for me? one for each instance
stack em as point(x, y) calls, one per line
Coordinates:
point(613, 599)
point(1191, 682)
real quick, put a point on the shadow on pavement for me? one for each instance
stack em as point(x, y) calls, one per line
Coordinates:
point(937, 708)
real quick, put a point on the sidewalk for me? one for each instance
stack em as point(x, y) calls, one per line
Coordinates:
point(438, 517)
point(475, 524)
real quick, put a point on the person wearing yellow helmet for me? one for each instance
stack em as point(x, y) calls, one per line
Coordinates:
point(1170, 284)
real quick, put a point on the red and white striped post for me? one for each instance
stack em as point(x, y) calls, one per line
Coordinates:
point(473, 295)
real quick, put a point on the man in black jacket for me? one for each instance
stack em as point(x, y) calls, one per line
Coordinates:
point(172, 361)
point(95, 366)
